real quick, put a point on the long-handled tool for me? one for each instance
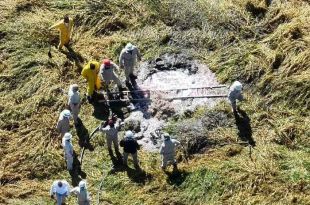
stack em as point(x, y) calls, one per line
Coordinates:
point(90, 136)
point(49, 51)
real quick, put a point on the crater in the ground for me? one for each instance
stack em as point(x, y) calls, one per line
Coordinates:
point(166, 77)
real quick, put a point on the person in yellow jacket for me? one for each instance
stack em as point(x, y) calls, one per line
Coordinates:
point(90, 73)
point(65, 28)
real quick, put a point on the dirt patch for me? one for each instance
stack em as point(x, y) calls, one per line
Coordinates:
point(171, 71)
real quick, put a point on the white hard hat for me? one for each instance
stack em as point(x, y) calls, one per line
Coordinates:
point(166, 135)
point(237, 85)
point(129, 134)
point(129, 47)
point(67, 136)
point(74, 87)
point(82, 184)
point(66, 113)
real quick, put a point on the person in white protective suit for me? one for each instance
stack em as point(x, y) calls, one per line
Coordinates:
point(68, 150)
point(111, 131)
point(107, 73)
point(235, 93)
point(63, 124)
point(74, 102)
point(130, 146)
point(59, 191)
point(167, 150)
point(81, 193)
point(128, 59)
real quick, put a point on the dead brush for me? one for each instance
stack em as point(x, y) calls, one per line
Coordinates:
point(270, 54)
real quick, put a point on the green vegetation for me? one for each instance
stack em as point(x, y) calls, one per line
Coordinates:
point(267, 48)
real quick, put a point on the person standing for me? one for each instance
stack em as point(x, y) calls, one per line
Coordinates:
point(90, 73)
point(111, 131)
point(68, 150)
point(74, 102)
point(128, 59)
point(65, 31)
point(59, 191)
point(235, 93)
point(130, 146)
point(81, 193)
point(63, 124)
point(108, 75)
point(167, 150)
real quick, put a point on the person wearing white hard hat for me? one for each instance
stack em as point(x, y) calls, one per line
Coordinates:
point(63, 124)
point(68, 150)
point(130, 146)
point(128, 59)
point(74, 102)
point(235, 93)
point(167, 150)
point(81, 193)
point(59, 191)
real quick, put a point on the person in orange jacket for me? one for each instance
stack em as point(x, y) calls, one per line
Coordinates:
point(90, 73)
point(65, 28)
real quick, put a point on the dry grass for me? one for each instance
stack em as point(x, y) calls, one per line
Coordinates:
point(269, 52)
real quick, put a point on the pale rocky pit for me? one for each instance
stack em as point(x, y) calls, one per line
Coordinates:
point(171, 71)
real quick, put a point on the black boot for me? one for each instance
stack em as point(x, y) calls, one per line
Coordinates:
point(121, 94)
point(111, 153)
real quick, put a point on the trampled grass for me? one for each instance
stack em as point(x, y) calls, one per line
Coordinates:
point(266, 48)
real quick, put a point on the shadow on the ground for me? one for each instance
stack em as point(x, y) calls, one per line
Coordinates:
point(74, 56)
point(83, 134)
point(76, 174)
point(101, 110)
point(138, 175)
point(176, 177)
point(243, 123)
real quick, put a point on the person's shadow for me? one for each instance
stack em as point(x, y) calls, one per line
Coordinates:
point(138, 175)
point(82, 133)
point(243, 123)
point(176, 177)
point(74, 56)
point(76, 173)
point(101, 109)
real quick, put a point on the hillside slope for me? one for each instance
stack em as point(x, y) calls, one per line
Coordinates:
point(266, 48)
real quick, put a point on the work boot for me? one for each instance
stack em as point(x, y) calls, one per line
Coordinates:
point(90, 100)
point(121, 94)
point(111, 152)
point(175, 167)
point(128, 83)
point(133, 77)
point(137, 167)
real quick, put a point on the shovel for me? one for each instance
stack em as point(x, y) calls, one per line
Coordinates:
point(49, 51)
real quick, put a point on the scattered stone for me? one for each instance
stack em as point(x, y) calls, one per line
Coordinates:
point(132, 124)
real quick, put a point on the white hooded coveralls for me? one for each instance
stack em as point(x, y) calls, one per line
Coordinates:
point(82, 195)
point(60, 193)
point(68, 153)
point(74, 102)
point(235, 93)
point(108, 75)
point(167, 150)
point(63, 124)
point(128, 60)
point(112, 135)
